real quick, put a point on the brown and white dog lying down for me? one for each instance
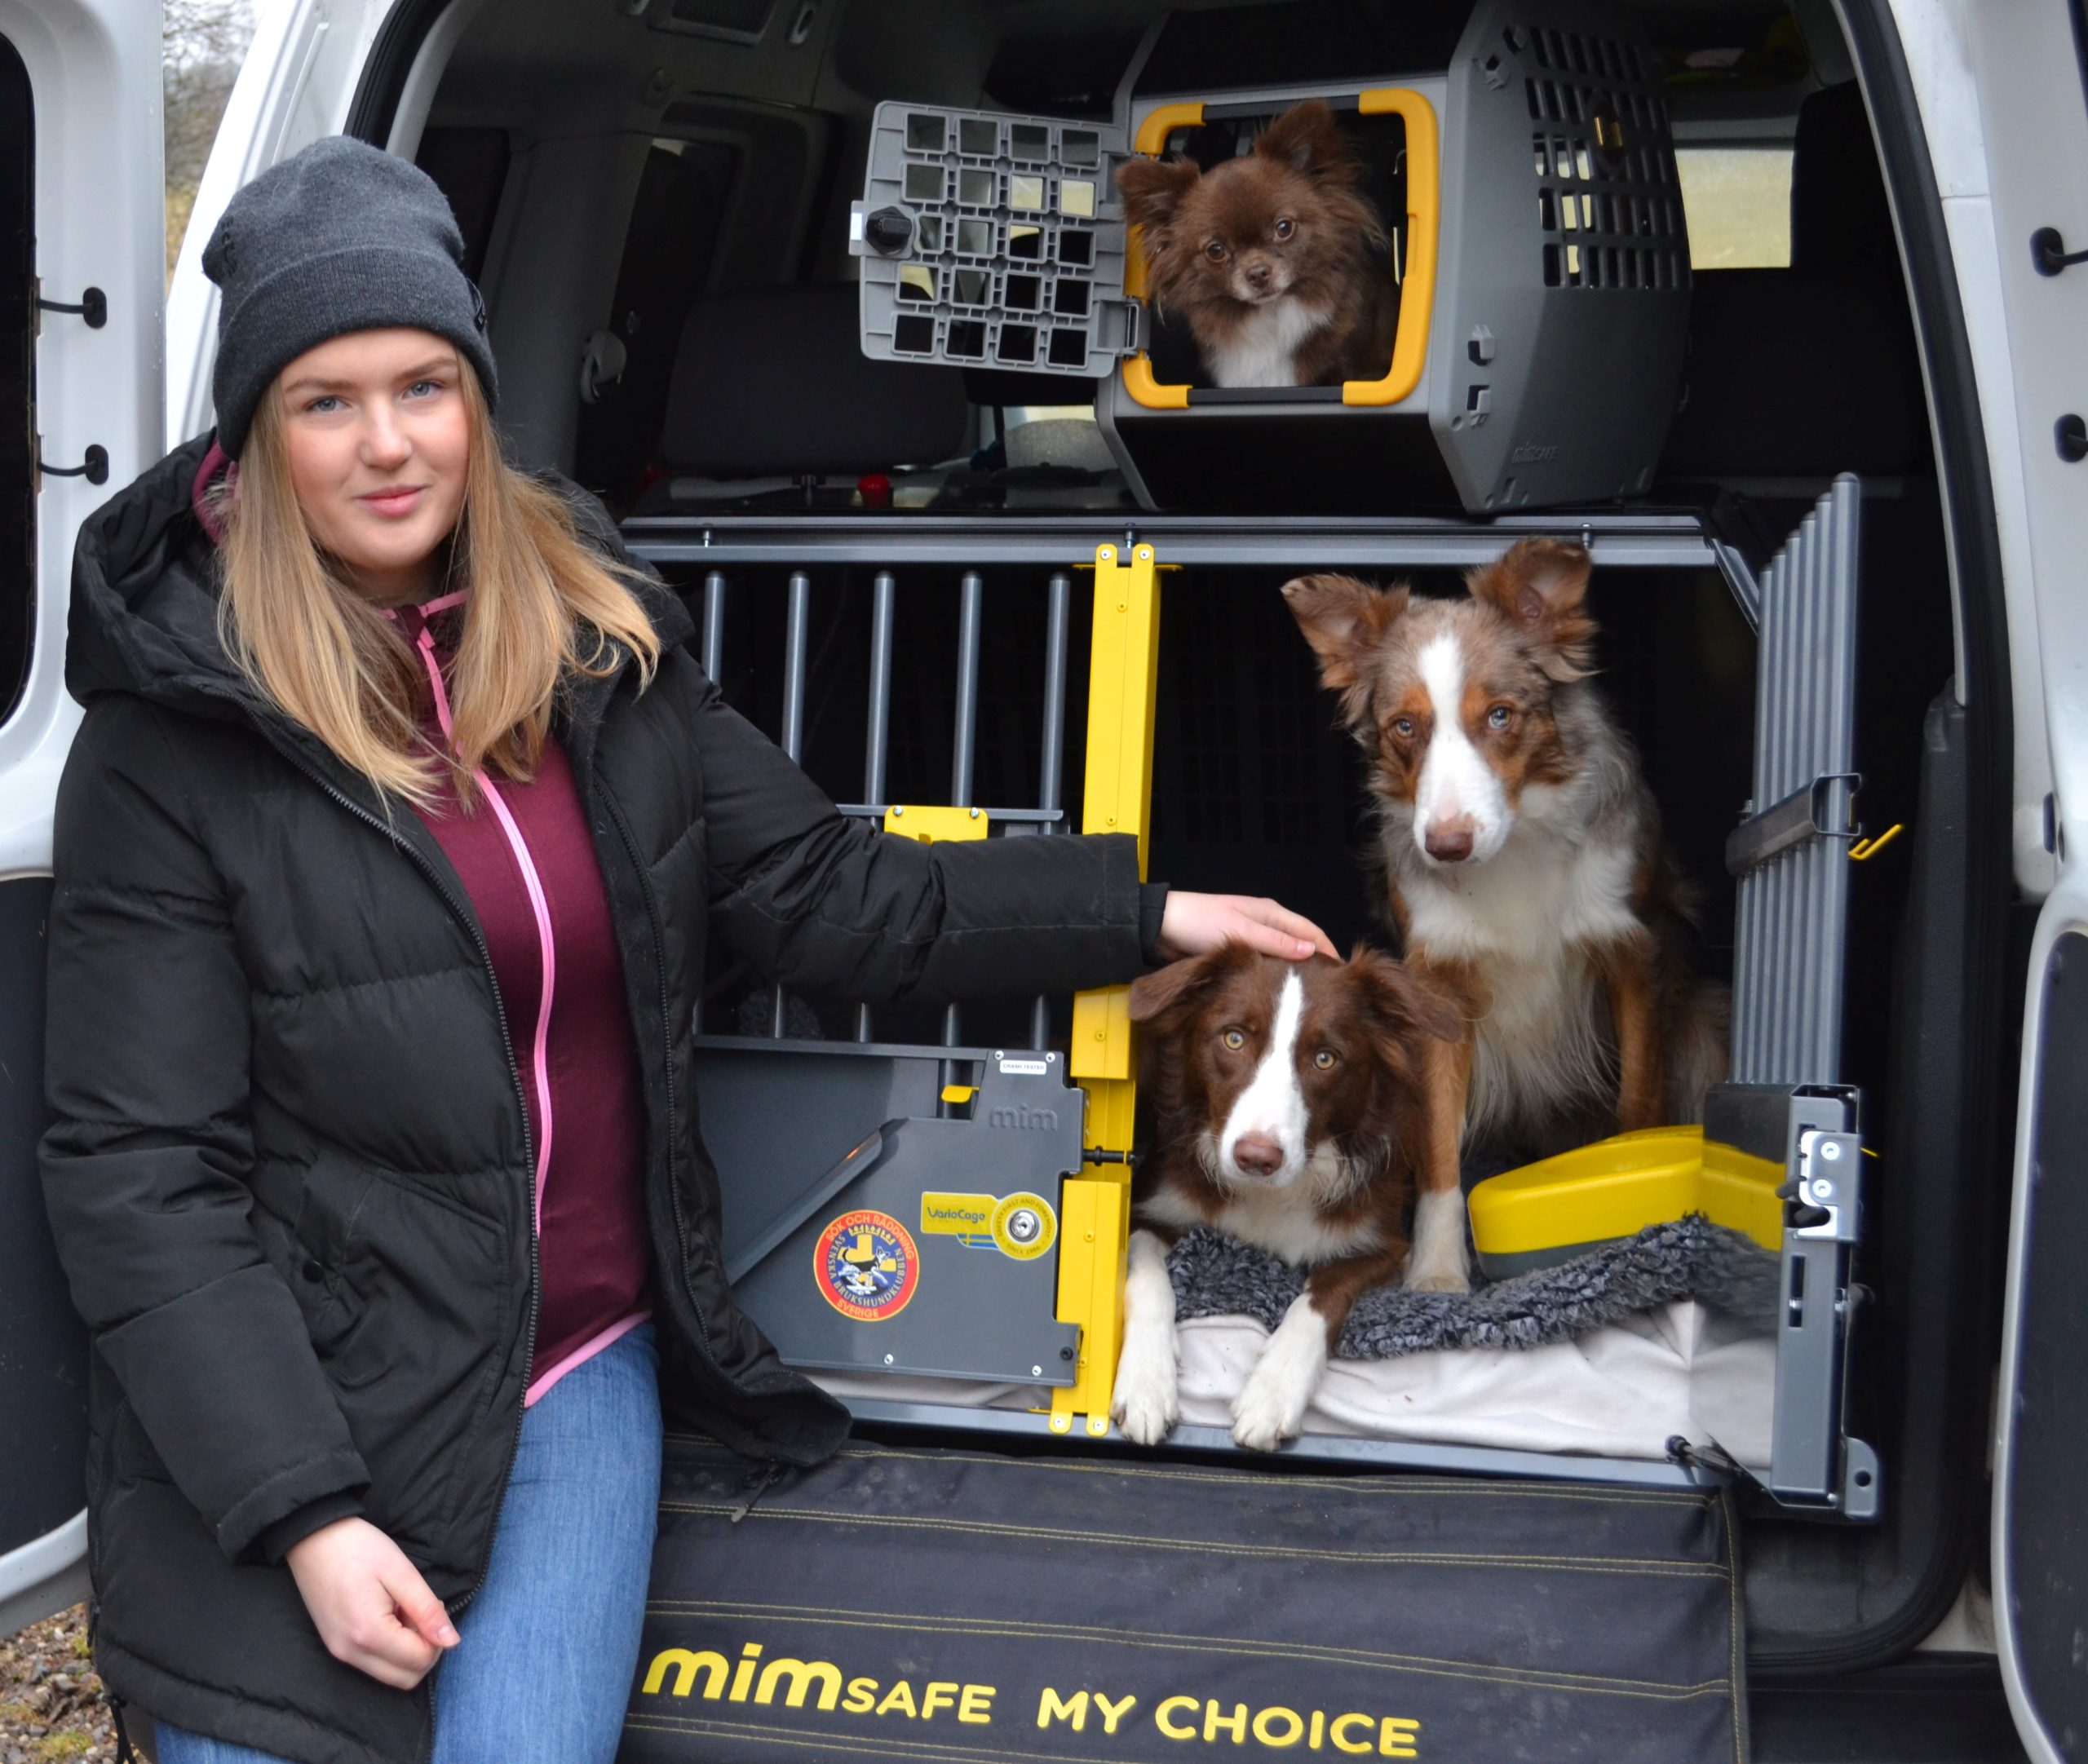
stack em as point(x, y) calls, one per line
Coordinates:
point(1286, 1103)
point(1522, 856)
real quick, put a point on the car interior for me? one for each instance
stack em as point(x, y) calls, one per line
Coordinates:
point(656, 196)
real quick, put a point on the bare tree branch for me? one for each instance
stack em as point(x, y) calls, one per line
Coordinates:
point(202, 43)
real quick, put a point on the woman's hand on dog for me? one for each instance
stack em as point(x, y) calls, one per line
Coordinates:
point(369, 1604)
point(1193, 923)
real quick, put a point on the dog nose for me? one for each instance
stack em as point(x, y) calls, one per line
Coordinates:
point(1449, 841)
point(1257, 1155)
point(1259, 274)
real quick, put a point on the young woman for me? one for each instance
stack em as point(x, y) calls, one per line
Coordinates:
point(385, 858)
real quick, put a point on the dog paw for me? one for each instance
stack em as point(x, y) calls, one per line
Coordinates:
point(1146, 1403)
point(1438, 1280)
point(1271, 1405)
point(1267, 1411)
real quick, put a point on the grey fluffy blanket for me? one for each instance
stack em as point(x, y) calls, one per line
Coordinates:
point(1217, 1275)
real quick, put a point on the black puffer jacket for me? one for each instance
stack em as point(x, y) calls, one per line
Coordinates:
point(289, 1174)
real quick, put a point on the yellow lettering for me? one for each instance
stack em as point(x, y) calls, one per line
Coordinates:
point(1339, 1732)
point(1161, 1718)
point(1112, 1712)
point(862, 1696)
point(1266, 1722)
point(743, 1676)
point(801, 1674)
point(940, 1694)
point(977, 1704)
point(1396, 1736)
point(1051, 1706)
point(900, 1697)
point(1318, 1729)
point(1236, 1723)
point(685, 1666)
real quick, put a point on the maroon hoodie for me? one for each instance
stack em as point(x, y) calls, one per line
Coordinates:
point(527, 864)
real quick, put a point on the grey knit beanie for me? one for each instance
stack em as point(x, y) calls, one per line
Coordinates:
point(340, 237)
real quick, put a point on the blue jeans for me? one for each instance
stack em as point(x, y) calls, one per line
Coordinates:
point(544, 1671)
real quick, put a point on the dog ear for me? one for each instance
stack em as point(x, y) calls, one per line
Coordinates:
point(1152, 190)
point(1541, 586)
point(1306, 138)
point(1407, 1001)
point(1343, 620)
point(1180, 985)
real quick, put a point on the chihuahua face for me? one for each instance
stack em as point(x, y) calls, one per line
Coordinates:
point(1268, 258)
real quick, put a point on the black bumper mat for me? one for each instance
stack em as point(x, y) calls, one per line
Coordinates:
point(946, 1605)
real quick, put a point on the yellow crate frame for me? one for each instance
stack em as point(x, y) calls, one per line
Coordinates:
point(1123, 674)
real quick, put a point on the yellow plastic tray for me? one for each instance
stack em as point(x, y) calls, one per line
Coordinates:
point(1548, 1212)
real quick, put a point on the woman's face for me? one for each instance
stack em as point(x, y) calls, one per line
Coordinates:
point(378, 439)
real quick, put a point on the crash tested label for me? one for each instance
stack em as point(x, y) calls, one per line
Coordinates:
point(1020, 1225)
point(866, 1266)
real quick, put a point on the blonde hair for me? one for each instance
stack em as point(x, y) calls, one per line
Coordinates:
point(541, 604)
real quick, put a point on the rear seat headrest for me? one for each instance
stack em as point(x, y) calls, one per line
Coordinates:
point(1840, 216)
point(1811, 370)
point(773, 381)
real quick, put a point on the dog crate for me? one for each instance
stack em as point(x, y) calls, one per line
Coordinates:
point(1536, 242)
point(930, 1210)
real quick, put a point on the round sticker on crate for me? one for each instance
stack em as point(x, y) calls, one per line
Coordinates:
point(1023, 1227)
point(866, 1266)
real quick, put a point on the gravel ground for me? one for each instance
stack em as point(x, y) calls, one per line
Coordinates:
point(52, 1707)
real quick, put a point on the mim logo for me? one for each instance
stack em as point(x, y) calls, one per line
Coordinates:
point(1043, 1119)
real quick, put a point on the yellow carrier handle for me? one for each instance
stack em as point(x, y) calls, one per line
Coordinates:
point(1424, 202)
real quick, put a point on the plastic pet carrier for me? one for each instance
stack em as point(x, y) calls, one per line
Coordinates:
point(929, 1209)
point(1536, 242)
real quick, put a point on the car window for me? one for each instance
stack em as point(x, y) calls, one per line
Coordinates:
point(1738, 203)
point(17, 379)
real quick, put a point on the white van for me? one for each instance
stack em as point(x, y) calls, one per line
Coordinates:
point(656, 196)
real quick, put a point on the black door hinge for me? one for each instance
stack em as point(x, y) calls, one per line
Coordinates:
point(94, 468)
point(93, 307)
point(2048, 252)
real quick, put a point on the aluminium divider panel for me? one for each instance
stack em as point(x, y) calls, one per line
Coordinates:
point(1786, 1102)
point(1791, 855)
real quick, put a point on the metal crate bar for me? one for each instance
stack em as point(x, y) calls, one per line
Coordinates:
point(713, 623)
point(1617, 541)
point(1791, 855)
point(877, 737)
point(796, 621)
point(964, 741)
point(1051, 762)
